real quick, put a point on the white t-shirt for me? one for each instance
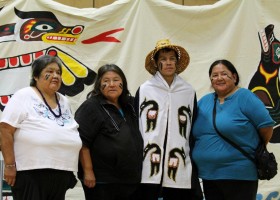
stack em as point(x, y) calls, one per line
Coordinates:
point(41, 140)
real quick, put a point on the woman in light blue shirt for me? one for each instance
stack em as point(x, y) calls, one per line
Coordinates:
point(240, 116)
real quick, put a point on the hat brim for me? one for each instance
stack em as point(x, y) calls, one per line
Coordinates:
point(181, 65)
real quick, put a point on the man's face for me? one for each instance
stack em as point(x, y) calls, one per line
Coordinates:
point(166, 63)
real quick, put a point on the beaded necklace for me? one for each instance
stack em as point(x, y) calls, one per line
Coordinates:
point(55, 115)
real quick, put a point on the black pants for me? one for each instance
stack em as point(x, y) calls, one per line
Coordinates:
point(110, 191)
point(154, 191)
point(230, 189)
point(42, 184)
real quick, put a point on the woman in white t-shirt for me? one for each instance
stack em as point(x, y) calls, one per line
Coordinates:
point(40, 141)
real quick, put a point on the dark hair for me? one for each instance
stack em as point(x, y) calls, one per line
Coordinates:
point(41, 63)
point(228, 65)
point(164, 50)
point(124, 97)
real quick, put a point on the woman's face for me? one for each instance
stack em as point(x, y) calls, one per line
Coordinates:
point(50, 78)
point(111, 86)
point(222, 80)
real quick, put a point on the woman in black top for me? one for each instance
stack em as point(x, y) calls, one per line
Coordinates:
point(111, 156)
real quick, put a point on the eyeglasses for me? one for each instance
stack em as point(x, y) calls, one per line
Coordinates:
point(217, 76)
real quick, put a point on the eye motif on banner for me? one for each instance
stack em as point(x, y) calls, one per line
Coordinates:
point(43, 26)
point(152, 113)
point(184, 114)
point(174, 162)
point(265, 82)
point(39, 26)
point(155, 157)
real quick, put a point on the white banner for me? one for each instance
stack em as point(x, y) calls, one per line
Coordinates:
point(246, 32)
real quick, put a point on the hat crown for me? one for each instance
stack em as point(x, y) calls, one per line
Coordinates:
point(162, 43)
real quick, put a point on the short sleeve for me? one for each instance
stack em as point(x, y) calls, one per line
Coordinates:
point(256, 111)
point(89, 123)
point(14, 112)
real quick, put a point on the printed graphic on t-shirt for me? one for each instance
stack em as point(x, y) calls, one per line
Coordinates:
point(43, 111)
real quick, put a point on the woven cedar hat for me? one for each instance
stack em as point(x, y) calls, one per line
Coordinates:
point(183, 57)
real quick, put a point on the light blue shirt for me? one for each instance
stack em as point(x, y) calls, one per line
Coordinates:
point(238, 118)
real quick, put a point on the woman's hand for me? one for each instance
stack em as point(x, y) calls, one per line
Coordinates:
point(10, 175)
point(89, 178)
point(85, 159)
